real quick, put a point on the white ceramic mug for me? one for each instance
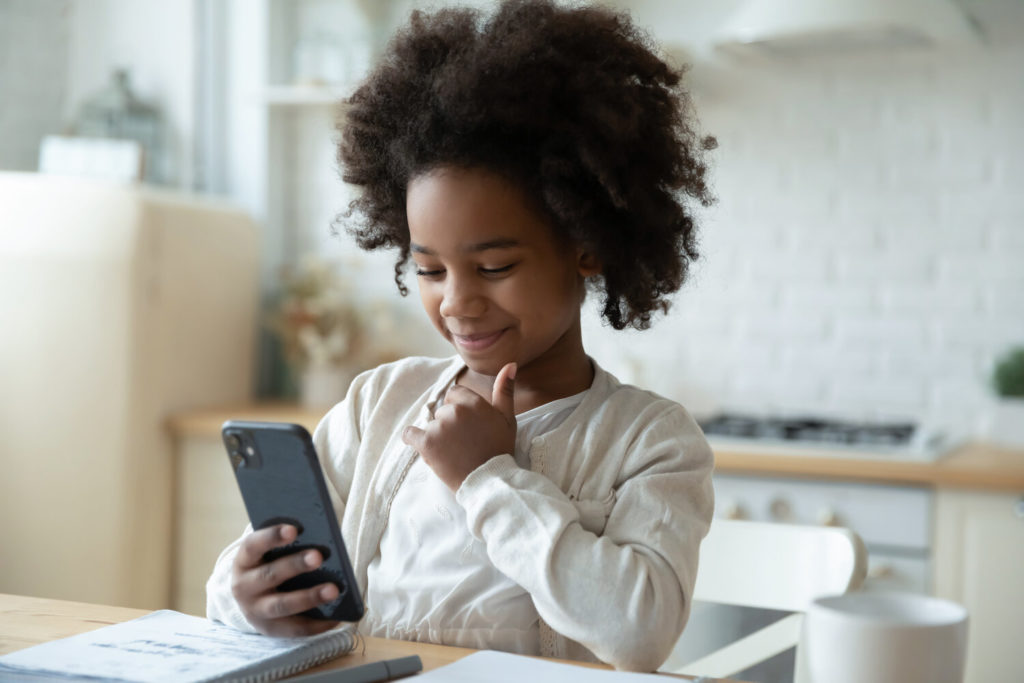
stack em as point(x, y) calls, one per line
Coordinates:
point(885, 637)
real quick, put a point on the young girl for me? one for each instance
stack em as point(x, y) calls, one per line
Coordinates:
point(516, 496)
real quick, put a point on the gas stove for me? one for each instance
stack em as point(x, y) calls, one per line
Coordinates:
point(810, 435)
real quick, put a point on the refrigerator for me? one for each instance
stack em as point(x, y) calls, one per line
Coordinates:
point(120, 305)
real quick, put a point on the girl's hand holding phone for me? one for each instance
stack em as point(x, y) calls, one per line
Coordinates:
point(254, 585)
point(468, 430)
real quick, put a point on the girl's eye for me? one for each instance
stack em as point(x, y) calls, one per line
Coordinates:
point(426, 272)
point(497, 271)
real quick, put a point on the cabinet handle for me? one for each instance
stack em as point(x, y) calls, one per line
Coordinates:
point(780, 509)
point(881, 571)
point(733, 510)
point(828, 517)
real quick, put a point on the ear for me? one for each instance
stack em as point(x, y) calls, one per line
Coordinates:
point(587, 263)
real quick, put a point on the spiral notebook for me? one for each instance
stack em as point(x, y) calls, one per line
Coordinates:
point(170, 646)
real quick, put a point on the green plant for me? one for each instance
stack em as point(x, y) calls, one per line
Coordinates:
point(1008, 375)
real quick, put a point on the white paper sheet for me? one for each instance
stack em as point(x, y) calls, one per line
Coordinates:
point(501, 667)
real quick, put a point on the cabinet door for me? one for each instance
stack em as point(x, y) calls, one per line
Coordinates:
point(979, 562)
point(209, 514)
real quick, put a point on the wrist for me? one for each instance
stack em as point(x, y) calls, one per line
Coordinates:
point(455, 478)
point(498, 466)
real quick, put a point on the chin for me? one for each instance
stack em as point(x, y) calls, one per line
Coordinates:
point(483, 366)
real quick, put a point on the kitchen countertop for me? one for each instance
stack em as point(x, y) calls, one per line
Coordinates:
point(974, 465)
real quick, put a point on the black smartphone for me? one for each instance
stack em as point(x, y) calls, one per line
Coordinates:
point(281, 482)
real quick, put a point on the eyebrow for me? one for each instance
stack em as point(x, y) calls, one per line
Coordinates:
point(500, 243)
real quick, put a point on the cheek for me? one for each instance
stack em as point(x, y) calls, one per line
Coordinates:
point(427, 299)
point(430, 299)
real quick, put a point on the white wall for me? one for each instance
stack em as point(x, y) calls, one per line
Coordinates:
point(57, 53)
point(155, 39)
point(34, 36)
point(866, 256)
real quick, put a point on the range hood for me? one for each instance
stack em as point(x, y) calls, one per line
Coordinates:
point(808, 27)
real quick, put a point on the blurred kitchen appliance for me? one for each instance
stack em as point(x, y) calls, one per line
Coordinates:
point(812, 435)
point(814, 27)
point(120, 305)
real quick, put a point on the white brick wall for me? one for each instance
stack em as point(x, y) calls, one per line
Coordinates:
point(865, 258)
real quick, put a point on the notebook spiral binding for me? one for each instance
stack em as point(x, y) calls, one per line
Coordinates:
point(346, 640)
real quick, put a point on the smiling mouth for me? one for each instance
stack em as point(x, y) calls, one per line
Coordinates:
point(476, 342)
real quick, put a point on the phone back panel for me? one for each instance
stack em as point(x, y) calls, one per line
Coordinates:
point(281, 481)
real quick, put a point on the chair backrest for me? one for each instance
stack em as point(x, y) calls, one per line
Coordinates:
point(771, 566)
point(777, 566)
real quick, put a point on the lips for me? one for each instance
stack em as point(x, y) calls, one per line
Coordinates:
point(478, 341)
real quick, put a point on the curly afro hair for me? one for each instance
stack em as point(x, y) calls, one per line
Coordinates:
point(570, 103)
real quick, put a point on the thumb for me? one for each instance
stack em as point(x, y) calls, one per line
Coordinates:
point(504, 391)
point(414, 437)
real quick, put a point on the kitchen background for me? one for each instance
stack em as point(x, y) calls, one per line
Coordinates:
point(865, 259)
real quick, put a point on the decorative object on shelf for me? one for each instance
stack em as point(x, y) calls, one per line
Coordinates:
point(1006, 418)
point(320, 328)
point(325, 329)
point(116, 113)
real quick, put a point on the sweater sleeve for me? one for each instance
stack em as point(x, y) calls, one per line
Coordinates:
point(336, 439)
point(625, 594)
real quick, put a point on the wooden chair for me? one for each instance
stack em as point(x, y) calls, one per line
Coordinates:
point(771, 566)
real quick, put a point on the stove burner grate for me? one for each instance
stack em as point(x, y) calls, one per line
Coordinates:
point(811, 429)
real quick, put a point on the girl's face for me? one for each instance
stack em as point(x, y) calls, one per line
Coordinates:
point(492, 276)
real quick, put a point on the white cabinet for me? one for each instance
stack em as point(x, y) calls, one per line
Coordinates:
point(121, 305)
point(979, 562)
point(209, 513)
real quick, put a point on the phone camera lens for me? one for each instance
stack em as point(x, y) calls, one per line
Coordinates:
point(234, 443)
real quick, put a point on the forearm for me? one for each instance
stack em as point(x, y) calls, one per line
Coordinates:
point(617, 596)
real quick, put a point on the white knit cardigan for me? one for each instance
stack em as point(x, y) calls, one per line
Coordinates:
point(603, 531)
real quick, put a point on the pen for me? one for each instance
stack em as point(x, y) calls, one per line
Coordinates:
point(373, 672)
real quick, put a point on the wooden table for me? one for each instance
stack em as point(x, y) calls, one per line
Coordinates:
point(26, 621)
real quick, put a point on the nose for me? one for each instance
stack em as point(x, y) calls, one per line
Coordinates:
point(462, 298)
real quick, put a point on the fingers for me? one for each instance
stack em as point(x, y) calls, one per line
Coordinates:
point(268, 576)
point(414, 437)
point(256, 544)
point(504, 391)
point(274, 606)
point(255, 583)
point(460, 395)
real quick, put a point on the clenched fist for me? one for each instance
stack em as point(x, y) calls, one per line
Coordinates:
point(468, 430)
